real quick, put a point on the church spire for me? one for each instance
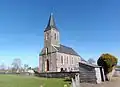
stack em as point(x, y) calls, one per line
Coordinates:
point(51, 23)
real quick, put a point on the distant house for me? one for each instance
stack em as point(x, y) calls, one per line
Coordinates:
point(54, 56)
point(31, 72)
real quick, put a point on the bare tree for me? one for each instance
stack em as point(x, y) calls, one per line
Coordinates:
point(35, 68)
point(25, 67)
point(16, 65)
point(2, 66)
point(91, 61)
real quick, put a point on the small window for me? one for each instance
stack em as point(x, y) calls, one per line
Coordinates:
point(46, 50)
point(47, 36)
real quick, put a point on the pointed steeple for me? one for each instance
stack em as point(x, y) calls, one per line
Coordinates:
point(51, 23)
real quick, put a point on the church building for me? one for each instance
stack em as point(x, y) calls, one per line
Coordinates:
point(54, 56)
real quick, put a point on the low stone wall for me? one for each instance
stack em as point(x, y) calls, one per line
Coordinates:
point(14, 73)
point(56, 74)
point(7, 73)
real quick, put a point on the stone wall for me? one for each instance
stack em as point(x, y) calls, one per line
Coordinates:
point(57, 74)
point(14, 73)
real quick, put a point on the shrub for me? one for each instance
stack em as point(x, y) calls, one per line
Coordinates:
point(107, 61)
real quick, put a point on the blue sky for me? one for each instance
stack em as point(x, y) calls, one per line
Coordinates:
point(91, 27)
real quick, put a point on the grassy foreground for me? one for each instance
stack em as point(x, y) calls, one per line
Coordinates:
point(28, 81)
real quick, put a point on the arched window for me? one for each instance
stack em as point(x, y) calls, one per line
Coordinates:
point(72, 60)
point(55, 36)
point(61, 59)
point(67, 59)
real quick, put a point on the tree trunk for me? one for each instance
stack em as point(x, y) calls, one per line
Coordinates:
point(110, 74)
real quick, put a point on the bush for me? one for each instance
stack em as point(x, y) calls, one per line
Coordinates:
point(68, 79)
point(107, 61)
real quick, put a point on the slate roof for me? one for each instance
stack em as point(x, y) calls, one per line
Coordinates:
point(67, 50)
point(51, 23)
point(83, 59)
point(90, 65)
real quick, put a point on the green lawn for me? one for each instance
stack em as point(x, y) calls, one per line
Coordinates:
point(28, 81)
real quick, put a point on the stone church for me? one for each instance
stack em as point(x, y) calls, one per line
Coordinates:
point(54, 56)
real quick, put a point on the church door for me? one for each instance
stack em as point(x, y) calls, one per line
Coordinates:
point(47, 65)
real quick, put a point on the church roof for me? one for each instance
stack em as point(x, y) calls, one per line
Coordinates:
point(67, 50)
point(51, 23)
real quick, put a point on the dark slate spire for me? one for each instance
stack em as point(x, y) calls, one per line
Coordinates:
point(51, 23)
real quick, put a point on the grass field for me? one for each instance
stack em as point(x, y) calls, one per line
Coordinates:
point(28, 81)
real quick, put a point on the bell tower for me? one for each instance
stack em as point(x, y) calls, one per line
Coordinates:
point(51, 33)
point(51, 38)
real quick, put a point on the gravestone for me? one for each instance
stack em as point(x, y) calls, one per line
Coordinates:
point(65, 85)
point(73, 83)
point(41, 85)
point(77, 80)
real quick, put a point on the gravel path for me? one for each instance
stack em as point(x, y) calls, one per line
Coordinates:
point(115, 82)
